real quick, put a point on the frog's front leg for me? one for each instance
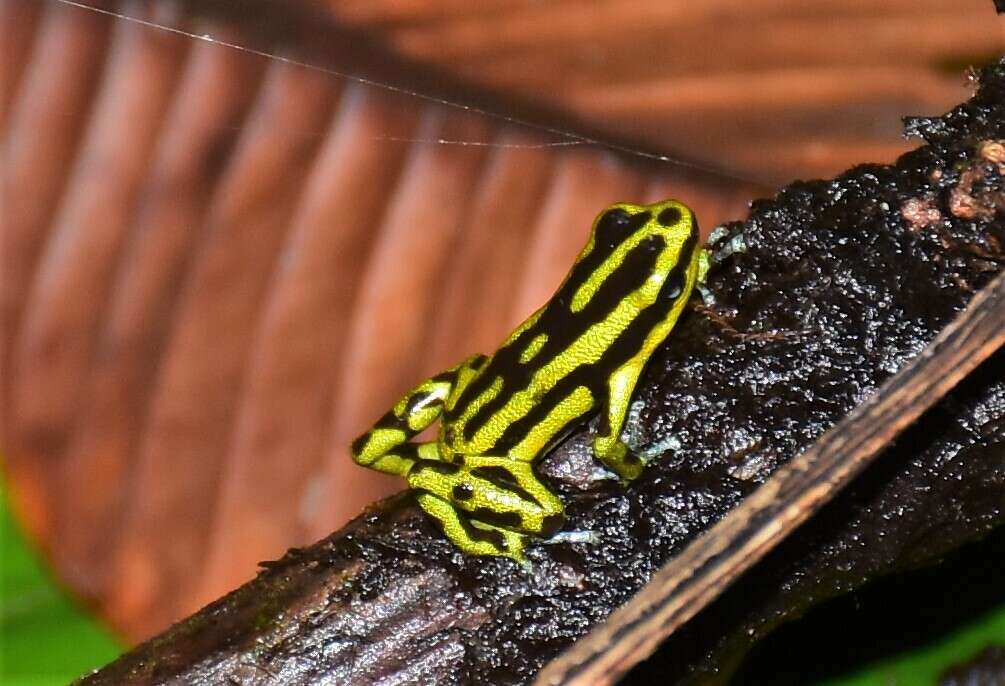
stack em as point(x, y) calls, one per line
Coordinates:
point(487, 505)
point(608, 446)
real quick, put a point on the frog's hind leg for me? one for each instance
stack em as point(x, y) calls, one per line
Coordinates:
point(471, 537)
point(490, 494)
point(400, 459)
point(498, 491)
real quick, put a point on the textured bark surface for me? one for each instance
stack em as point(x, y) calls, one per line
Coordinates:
point(830, 288)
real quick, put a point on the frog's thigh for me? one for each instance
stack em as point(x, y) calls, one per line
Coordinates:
point(469, 536)
point(508, 493)
point(497, 491)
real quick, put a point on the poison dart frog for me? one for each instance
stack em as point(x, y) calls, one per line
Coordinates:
point(580, 354)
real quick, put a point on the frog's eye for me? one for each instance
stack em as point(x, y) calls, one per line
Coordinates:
point(669, 216)
point(612, 219)
point(616, 223)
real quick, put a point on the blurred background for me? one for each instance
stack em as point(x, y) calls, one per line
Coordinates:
point(234, 232)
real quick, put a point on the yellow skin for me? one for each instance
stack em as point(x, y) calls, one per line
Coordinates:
point(582, 352)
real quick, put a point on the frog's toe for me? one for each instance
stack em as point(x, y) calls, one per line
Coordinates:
point(575, 536)
point(707, 296)
point(657, 448)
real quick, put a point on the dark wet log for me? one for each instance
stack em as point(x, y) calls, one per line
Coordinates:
point(824, 293)
point(794, 493)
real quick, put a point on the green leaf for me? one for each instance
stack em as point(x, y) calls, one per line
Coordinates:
point(923, 665)
point(45, 638)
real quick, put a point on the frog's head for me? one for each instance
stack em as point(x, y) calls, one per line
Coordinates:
point(632, 241)
point(671, 220)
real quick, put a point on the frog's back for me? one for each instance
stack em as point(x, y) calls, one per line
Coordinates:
point(627, 285)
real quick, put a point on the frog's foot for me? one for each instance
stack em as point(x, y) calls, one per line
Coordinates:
point(653, 450)
point(633, 435)
point(616, 456)
point(487, 505)
point(707, 297)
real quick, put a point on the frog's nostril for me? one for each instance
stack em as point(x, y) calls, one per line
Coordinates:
point(669, 216)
